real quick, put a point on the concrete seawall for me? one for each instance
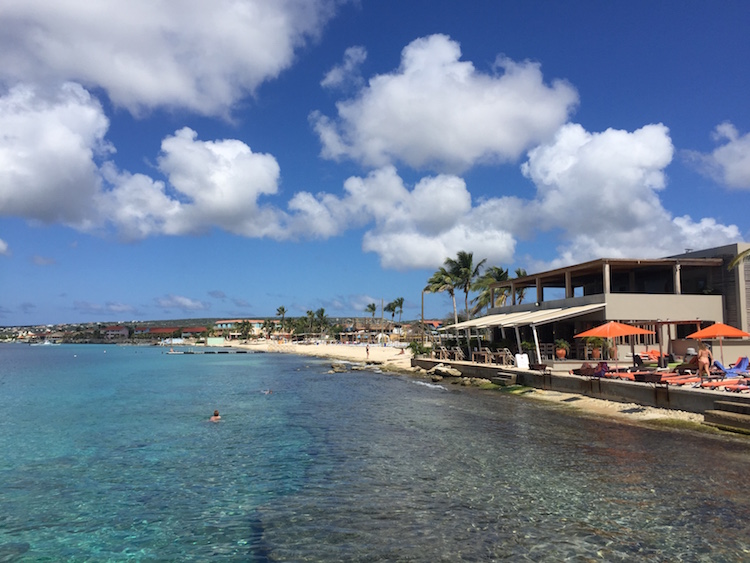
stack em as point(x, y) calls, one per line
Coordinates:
point(647, 394)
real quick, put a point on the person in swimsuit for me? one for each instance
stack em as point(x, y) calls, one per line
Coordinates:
point(705, 359)
point(215, 417)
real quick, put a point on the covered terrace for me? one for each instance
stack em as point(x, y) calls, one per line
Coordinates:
point(663, 276)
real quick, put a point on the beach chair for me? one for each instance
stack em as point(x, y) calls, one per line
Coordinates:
point(740, 368)
point(480, 355)
point(728, 382)
point(503, 357)
point(458, 354)
point(443, 353)
point(738, 386)
point(489, 355)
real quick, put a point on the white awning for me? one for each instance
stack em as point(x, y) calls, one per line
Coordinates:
point(478, 322)
point(523, 318)
point(552, 315)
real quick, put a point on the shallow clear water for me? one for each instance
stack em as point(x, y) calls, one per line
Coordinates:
point(107, 455)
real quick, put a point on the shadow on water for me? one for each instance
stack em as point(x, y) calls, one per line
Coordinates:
point(259, 552)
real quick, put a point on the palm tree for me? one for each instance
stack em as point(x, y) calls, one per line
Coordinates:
point(491, 275)
point(521, 291)
point(372, 309)
point(739, 258)
point(244, 327)
point(442, 281)
point(321, 319)
point(310, 320)
point(464, 272)
point(281, 312)
point(268, 327)
point(391, 308)
point(399, 304)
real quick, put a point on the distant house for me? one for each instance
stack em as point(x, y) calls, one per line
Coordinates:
point(228, 329)
point(163, 332)
point(115, 332)
point(193, 331)
point(232, 328)
point(58, 336)
point(227, 325)
point(141, 330)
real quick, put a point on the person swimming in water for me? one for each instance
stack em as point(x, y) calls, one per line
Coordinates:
point(215, 417)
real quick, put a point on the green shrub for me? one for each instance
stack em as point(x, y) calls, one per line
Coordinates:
point(418, 349)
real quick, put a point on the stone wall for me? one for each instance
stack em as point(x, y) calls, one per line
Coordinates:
point(647, 394)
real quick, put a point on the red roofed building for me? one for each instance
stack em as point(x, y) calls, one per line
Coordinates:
point(193, 331)
point(115, 332)
point(163, 331)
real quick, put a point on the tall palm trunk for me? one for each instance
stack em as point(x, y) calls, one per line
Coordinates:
point(468, 318)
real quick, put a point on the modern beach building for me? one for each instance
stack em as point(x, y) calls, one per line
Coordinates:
point(673, 296)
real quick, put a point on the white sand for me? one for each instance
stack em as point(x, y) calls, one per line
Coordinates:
point(384, 356)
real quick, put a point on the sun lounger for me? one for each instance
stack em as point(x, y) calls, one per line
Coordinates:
point(442, 353)
point(483, 356)
point(728, 382)
point(503, 357)
point(742, 385)
point(740, 368)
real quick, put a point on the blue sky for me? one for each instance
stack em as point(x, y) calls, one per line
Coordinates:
point(221, 159)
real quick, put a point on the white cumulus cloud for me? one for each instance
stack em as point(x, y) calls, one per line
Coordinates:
point(729, 163)
point(210, 184)
point(439, 112)
point(601, 190)
point(199, 55)
point(181, 303)
point(51, 170)
point(108, 309)
point(48, 145)
point(4, 248)
point(221, 181)
point(347, 73)
point(408, 228)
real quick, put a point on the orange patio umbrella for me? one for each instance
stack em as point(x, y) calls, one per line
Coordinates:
point(613, 329)
point(720, 331)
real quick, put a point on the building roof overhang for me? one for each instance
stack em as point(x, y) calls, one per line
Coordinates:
point(596, 267)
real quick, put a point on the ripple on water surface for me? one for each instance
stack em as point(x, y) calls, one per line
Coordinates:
point(109, 456)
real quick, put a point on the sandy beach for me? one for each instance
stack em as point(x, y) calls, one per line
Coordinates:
point(386, 357)
point(392, 358)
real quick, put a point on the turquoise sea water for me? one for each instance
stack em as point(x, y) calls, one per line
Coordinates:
point(107, 455)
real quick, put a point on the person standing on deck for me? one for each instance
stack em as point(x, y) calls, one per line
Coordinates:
point(705, 359)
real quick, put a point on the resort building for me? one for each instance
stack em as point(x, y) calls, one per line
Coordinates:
point(115, 332)
point(673, 296)
point(194, 331)
point(233, 329)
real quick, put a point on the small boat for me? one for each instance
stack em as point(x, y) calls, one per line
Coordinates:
point(45, 343)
